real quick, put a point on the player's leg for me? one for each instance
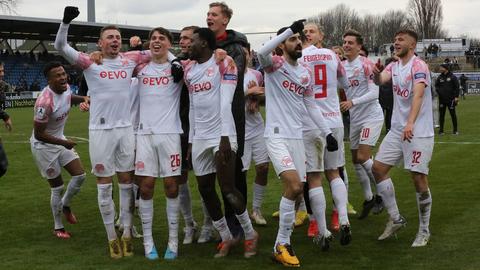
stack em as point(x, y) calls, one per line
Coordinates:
point(453, 115)
point(75, 169)
point(146, 189)
point(340, 198)
point(170, 185)
point(56, 189)
point(318, 206)
point(260, 156)
point(441, 110)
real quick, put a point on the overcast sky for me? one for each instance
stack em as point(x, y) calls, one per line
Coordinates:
point(461, 17)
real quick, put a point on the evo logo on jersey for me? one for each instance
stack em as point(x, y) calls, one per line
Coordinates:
point(293, 87)
point(354, 83)
point(199, 87)
point(61, 117)
point(117, 74)
point(156, 81)
point(401, 92)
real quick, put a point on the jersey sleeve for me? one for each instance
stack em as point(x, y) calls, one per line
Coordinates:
point(139, 57)
point(342, 77)
point(259, 77)
point(43, 109)
point(72, 55)
point(228, 73)
point(265, 53)
point(388, 68)
point(420, 72)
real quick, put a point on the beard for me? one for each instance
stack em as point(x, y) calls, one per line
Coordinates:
point(295, 53)
point(403, 52)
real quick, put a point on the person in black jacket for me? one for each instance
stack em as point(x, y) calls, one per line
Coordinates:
point(218, 17)
point(447, 87)
point(3, 156)
point(385, 98)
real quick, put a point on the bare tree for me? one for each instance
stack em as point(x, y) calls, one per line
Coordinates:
point(427, 17)
point(390, 23)
point(8, 6)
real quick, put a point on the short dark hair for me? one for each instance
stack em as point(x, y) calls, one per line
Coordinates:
point(162, 31)
point(248, 46)
point(356, 34)
point(409, 32)
point(207, 35)
point(191, 27)
point(226, 11)
point(363, 48)
point(49, 66)
point(109, 27)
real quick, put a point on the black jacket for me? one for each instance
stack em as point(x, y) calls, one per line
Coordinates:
point(447, 87)
point(233, 45)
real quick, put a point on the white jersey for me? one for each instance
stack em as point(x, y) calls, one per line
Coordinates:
point(108, 83)
point(159, 100)
point(254, 125)
point(362, 92)
point(327, 70)
point(404, 77)
point(135, 108)
point(288, 89)
point(53, 109)
point(211, 86)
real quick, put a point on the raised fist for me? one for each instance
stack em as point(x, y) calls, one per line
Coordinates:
point(177, 71)
point(69, 14)
point(297, 26)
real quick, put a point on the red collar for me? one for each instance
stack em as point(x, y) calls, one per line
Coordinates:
point(222, 37)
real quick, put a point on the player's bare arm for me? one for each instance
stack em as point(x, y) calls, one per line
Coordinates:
point(40, 134)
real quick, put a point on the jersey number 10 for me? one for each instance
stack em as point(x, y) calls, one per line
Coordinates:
point(320, 73)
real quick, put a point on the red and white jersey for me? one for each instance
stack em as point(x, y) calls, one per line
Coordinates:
point(53, 109)
point(108, 83)
point(254, 125)
point(135, 108)
point(327, 69)
point(404, 77)
point(362, 92)
point(287, 88)
point(211, 86)
point(159, 100)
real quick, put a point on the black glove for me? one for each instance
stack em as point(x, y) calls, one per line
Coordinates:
point(297, 26)
point(332, 144)
point(69, 14)
point(177, 71)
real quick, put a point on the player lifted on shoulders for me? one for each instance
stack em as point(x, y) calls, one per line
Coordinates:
point(288, 91)
point(366, 116)
point(211, 84)
point(411, 134)
point(51, 149)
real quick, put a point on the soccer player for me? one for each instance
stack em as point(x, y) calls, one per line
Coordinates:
point(206, 233)
point(411, 134)
point(158, 140)
point(212, 133)
point(288, 92)
point(255, 147)
point(366, 116)
point(328, 75)
point(110, 129)
point(233, 42)
point(51, 149)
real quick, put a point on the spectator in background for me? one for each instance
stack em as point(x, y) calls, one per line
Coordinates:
point(135, 44)
point(463, 85)
point(391, 49)
point(385, 97)
point(4, 87)
point(447, 87)
point(35, 86)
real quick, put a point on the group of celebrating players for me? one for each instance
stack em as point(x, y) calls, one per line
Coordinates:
point(152, 113)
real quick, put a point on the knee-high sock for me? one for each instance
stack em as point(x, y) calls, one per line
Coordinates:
point(286, 220)
point(126, 196)
point(344, 176)
point(386, 190)
point(207, 220)
point(340, 197)
point(173, 206)
point(107, 209)
point(258, 194)
point(222, 228)
point(302, 206)
point(56, 205)
point(367, 166)
point(185, 204)
point(318, 204)
point(246, 224)
point(364, 181)
point(73, 188)
point(424, 203)
point(145, 207)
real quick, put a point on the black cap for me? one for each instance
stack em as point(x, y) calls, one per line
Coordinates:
point(446, 66)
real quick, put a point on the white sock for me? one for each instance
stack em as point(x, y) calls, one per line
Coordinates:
point(135, 194)
point(286, 220)
point(246, 224)
point(340, 197)
point(145, 207)
point(386, 190)
point(73, 188)
point(424, 203)
point(258, 194)
point(364, 181)
point(173, 206)
point(301, 205)
point(367, 166)
point(318, 205)
point(222, 228)
point(56, 205)
point(185, 204)
point(107, 209)
point(345, 178)
point(207, 220)
point(126, 194)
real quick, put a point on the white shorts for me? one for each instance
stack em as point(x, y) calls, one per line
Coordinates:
point(158, 155)
point(203, 154)
point(287, 154)
point(367, 134)
point(255, 148)
point(112, 150)
point(51, 158)
point(416, 154)
point(318, 157)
